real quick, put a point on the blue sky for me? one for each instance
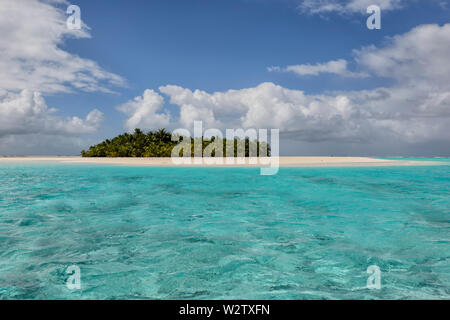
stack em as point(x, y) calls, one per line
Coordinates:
point(216, 46)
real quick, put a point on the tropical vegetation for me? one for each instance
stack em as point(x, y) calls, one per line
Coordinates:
point(159, 143)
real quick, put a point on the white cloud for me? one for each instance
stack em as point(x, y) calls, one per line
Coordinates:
point(33, 63)
point(338, 67)
point(346, 6)
point(415, 109)
point(32, 33)
point(143, 112)
point(198, 105)
point(268, 106)
point(29, 126)
point(418, 56)
point(27, 113)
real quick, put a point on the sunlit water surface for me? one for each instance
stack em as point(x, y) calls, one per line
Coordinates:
point(223, 233)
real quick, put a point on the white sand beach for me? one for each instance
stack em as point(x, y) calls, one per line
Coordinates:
point(283, 161)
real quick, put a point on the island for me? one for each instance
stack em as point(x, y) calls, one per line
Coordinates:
point(160, 144)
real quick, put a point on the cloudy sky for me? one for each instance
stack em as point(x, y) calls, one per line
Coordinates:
point(311, 68)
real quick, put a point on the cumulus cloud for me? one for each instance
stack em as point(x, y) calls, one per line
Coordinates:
point(338, 67)
point(418, 56)
point(143, 112)
point(27, 113)
point(29, 126)
point(313, 118)
point(32, 33)
point(415, 109)
point(33, 63)
point(346, 6)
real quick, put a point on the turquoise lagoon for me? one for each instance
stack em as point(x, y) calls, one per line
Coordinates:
point(224, 233)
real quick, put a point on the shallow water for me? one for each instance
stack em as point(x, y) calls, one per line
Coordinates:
point(224, 233)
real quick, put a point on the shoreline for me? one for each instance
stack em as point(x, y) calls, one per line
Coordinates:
point(283, 162)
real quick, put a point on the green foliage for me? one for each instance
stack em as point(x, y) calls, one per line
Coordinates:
point(159, 144)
